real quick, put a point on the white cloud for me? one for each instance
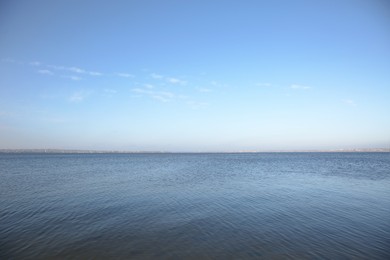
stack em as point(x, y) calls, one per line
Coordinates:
point(75, 78)
point(163, 96)
point(296, 86)
point(124, 75)
point(77, 70)
point(46, 72)
point(149, 86)
point(176, 81)
point(56, 67)
point(94, 73)
point(79, 96)
point(171, 80)
point(83, 71)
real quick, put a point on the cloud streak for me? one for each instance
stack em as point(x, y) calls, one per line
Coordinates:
point(166, 96)
point(50, 67)
point(171, 80)
point(124, 75)
point(152, 91)
point(176, 81)
point(46, 72)
point(79, 96)
point(299, 87)
point(163, 96)
point(75, 78)
point(76, 70)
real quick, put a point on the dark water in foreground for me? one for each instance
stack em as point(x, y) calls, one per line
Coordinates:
point(175, 206)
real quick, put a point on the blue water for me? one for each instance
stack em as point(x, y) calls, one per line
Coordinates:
point(191, 206)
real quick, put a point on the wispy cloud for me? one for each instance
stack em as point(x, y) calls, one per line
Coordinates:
point(46, 72)
point(163, 96)
point(176, 81)
point(124, 75)
point(79, 96)
point(75, 69)
point(75, 78)
point(299, 87)
point(167, 96)
point(78, 70)
point(54, 67)
point(171, 80)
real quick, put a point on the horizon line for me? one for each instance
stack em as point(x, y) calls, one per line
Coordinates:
point(97, 151)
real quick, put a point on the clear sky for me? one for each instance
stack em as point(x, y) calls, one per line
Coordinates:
point(195, 75)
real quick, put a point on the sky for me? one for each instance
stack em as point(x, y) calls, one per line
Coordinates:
point(194, 76)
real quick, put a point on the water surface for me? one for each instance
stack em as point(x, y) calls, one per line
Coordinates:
point(215, 206)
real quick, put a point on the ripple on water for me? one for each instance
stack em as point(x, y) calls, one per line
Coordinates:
point(288, 206)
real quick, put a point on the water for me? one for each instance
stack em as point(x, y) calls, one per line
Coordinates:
point(191, 206)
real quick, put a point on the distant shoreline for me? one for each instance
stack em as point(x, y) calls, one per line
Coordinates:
point(66, 151)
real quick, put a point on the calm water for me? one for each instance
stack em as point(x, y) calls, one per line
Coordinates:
point(175, 206)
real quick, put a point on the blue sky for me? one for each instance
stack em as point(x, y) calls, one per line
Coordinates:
point(195, 75)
